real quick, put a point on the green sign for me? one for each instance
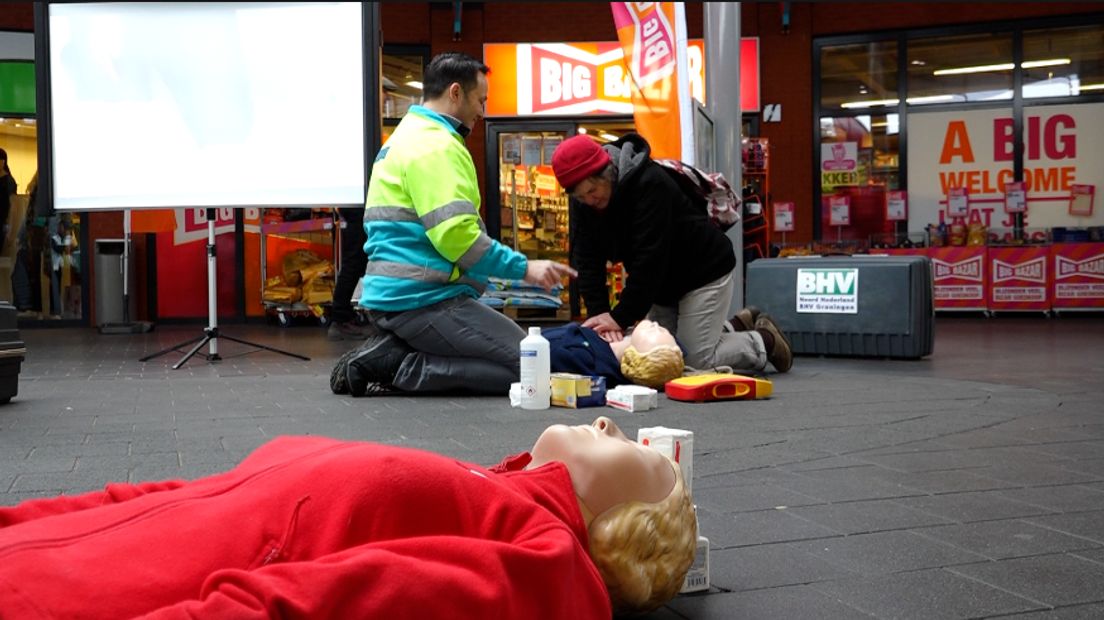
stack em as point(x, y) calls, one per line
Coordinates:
point(17, 87)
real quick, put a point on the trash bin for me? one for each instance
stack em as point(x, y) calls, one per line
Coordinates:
point(109, 282)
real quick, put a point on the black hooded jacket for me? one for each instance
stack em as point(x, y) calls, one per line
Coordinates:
point(662, 236)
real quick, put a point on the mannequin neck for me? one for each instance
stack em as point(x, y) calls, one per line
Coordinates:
point(619, 348)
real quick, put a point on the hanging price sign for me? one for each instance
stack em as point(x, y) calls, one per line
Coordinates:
point(896, 206)
point(1015, 197)
point(958, 202)
point(784, 217)
point(839, 211)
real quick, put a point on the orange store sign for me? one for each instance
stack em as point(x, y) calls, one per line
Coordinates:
point(577, 79)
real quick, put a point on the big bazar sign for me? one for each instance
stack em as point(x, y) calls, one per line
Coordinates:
point(576, 79)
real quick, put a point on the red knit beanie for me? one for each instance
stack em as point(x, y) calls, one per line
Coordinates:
point(577, 158)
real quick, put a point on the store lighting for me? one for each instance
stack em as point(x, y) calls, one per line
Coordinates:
point(1034, 64)
point(929, 99)
point(869, 104)
point(1085, 87)
point(1004, 66)
point(607, 136)
point(893, 102)
point(414, 84)
point(583, 130)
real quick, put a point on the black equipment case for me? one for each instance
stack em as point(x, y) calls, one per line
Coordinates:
point(863, 305)
point(12, 351)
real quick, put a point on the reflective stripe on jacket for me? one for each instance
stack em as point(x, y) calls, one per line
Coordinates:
point(426, 241)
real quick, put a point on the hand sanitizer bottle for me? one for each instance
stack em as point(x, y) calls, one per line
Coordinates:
point(536, 371)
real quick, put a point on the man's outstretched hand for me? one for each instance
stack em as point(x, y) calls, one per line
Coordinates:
point(547, 274)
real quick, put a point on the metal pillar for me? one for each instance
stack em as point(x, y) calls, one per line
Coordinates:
point(722, 88)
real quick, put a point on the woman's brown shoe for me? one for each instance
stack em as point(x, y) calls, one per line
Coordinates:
point(780, 355)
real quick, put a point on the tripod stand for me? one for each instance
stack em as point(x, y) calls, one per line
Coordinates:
point(211, 333)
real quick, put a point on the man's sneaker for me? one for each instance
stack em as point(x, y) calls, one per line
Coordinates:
point(350, 330)
point(376, 361)
point(780, 355)
point(744, 320)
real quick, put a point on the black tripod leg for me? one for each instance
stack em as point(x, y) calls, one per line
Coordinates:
point(196, 348)
point(261, 346)
point(175, 347)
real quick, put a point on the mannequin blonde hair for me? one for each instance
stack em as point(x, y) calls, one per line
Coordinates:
point(643, 550)
point(654, 368)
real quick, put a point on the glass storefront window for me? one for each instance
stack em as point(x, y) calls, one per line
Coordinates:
point(40, 261)
point(859, 160)
point(858, 76)
point(1063, 62)
point(402, 83)
point(974, 67)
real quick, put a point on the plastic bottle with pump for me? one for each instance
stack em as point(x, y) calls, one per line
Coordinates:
point(536, 371)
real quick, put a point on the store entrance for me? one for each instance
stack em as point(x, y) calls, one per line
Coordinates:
point(528, 211)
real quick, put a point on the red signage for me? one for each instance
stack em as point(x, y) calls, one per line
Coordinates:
point(529, 79)
point(960, 276)
point(1078, 275)
point(1019, 279)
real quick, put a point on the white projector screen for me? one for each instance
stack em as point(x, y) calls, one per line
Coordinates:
point(201, 104)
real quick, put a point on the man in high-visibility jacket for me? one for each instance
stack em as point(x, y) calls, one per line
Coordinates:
point(429, 255)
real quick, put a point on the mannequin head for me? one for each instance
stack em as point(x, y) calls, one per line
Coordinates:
point(652, 357)
point(639, 515)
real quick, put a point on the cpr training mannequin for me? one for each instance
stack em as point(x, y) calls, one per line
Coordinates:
point(311, 527)
point(650, 357)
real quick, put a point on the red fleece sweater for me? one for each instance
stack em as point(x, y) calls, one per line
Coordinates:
point(308, 527)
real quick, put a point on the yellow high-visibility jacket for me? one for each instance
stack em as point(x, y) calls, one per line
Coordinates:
point(426, 241)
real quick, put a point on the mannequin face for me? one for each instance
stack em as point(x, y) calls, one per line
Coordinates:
point(607, 468)
point(648, 335)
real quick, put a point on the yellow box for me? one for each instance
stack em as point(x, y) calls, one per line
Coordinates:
point(575, 391)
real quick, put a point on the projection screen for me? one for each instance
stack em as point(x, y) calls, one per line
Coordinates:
point(201, 104)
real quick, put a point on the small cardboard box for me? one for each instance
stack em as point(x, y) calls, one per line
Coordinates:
point(697, 578)
point(632, 398)
point(674, 443)
point(577, 391)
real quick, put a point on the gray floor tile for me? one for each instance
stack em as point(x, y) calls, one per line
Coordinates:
point(972, 506)
point(1011, 538)
point(750, 497)
point(1085, 524)
point(1052, 579)
point(791, 603)
point(924, 595)
point(756, 528)
point(769, 566)
point(866, 516)
point(1066, 498)
point(886, 552)
point(1092, 611)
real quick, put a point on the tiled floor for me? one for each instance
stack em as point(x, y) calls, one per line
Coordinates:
point(967, 484)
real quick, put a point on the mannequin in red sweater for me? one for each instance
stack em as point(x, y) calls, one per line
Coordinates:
point(310, 527)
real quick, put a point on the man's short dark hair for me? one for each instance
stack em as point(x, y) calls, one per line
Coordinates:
point(451, 67)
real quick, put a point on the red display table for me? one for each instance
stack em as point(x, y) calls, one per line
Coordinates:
point(1078, 276)
point(1018, 279)
point(960, 275)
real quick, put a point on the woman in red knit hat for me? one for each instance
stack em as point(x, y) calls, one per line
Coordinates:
point(628, 209)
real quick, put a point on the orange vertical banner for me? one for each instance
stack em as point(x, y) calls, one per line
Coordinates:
point(653, 37)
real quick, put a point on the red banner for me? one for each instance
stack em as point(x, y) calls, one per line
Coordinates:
point(1019, 279)
point(1078, 275)
point(960, 277)
point(647, 32)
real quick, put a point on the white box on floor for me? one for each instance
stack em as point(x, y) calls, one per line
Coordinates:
point(676, 444)
point(632, 398)
point(697, 578)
